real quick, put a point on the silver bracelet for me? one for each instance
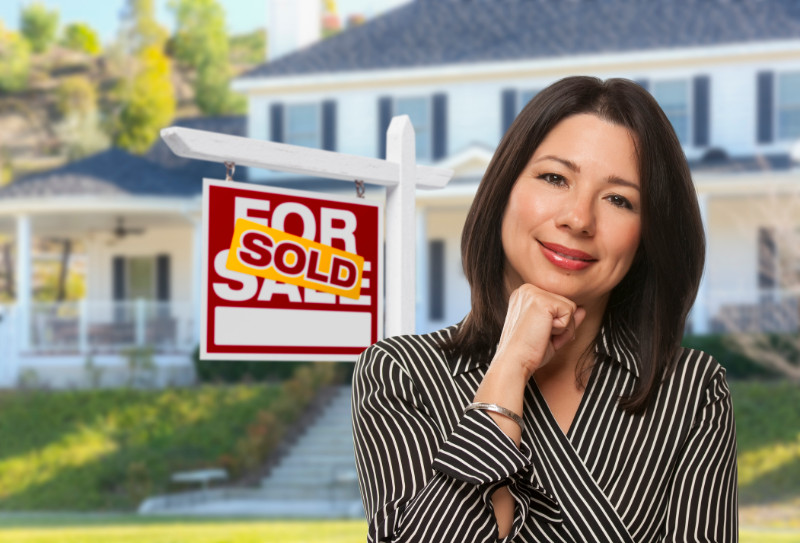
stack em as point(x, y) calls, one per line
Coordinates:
point(500, 410)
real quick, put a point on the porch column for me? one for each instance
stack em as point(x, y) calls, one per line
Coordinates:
point(24, 273)
point(700, 318)
point(197, 274)
point(422, 270)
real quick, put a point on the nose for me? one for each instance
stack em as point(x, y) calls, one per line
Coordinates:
point(577, 214)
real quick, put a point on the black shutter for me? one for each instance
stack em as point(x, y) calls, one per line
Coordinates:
point(276, 132)
point(118, 287)
point(644, 83)
point(118, 278)
point(764, 107)
point(702, 113)
point(162, 278)
point(436, 280)
point(384, 118)
point(329, 125)
point(509, 109)
point(439, 126)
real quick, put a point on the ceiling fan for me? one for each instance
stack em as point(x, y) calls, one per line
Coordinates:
point(120, 230)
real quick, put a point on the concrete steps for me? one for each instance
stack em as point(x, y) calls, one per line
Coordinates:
point(321, 464)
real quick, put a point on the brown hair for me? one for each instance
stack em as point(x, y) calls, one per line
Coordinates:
point(654, 298)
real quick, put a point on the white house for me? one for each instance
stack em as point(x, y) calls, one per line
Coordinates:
point(727, 73)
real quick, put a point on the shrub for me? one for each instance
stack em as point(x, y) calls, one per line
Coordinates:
point(723, 348)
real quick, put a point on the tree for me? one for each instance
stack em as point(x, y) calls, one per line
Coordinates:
point(201, 44)
point(15, 60)
point(149, 102)
point(39, 25)
point(79, 129)
point(81, 37)
point(146, 98)
point(139, 27)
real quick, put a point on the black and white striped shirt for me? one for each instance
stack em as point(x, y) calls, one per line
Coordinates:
point(427, 470)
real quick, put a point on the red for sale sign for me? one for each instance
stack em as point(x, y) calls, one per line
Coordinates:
point(288, 274)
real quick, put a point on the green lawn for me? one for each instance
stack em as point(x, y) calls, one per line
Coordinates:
point(82, 528)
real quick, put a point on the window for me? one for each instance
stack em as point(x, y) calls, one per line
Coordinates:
point(673, 97)
point(788, 106)
point(418, 110)
point(141, 278)
point(303, 125)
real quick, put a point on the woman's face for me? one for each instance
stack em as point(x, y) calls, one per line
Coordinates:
point(573, 220)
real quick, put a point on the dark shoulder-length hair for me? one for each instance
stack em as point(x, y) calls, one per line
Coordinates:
point(654, 298)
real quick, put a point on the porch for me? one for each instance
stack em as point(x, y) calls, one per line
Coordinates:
point(97, 343)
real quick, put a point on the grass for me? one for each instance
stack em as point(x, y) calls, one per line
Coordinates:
point(768, 437)
point(72, 528)
point(104, 449)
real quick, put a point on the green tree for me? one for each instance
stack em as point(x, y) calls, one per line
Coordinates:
point(248, 49)
point(81, 37)
point(201, 44)
point(79, 129)
point(146, 97)
point(148, 104)
point(39, 25)
point(139, 28)
point(15, 60)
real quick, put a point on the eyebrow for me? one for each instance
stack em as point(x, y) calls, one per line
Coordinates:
point(612, 179)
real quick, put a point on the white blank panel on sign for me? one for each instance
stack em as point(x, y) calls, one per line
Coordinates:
point(264, 326)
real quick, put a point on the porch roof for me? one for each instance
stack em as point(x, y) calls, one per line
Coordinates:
point(440, 32)
point(112, 172)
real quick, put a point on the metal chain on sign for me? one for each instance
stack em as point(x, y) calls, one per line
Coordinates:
point(230, 169)
point(360, 188)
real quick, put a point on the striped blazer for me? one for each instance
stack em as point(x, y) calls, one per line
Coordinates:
point(427, 470)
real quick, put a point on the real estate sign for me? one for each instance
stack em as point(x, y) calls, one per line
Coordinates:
point(288, 274)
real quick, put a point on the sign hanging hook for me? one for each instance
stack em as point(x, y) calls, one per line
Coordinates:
point(360, 188)
point(230, 169)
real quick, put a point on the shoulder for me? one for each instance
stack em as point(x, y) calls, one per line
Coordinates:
point(699, 376)
point(409, 353)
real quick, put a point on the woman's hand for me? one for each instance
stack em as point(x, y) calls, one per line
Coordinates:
point(538, 323)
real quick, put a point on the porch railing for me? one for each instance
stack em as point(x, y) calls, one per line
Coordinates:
point(763, 310)
point(96, 326)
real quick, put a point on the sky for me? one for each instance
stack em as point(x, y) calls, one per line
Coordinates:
point(241, 15)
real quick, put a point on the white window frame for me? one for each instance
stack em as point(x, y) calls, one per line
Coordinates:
point(686, 138)
point(289, 136)
point(427, 156)
point(778, 109)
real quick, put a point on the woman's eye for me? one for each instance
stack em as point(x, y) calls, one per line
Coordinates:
point(553, 179)
point(620, 201)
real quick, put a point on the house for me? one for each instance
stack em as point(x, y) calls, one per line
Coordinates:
point(138, 219)
point(726, 72)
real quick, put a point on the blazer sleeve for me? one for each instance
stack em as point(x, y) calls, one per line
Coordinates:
point(414, 482)
point(703, 503)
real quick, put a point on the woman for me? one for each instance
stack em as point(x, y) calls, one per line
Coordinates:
point(562, 408)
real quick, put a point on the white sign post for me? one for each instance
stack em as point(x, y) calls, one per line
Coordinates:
point(399, 173)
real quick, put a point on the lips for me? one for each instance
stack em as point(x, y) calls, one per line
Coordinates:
point(565, 257)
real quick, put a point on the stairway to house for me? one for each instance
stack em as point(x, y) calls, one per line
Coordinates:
point(318, 472)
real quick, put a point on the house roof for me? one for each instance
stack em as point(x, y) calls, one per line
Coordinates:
point(116, 172)
point(436, 32)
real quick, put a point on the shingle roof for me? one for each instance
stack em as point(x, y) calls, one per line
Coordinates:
point(116, 172)
point(435, 32)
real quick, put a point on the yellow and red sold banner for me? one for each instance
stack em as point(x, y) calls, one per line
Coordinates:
point(289, 275)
